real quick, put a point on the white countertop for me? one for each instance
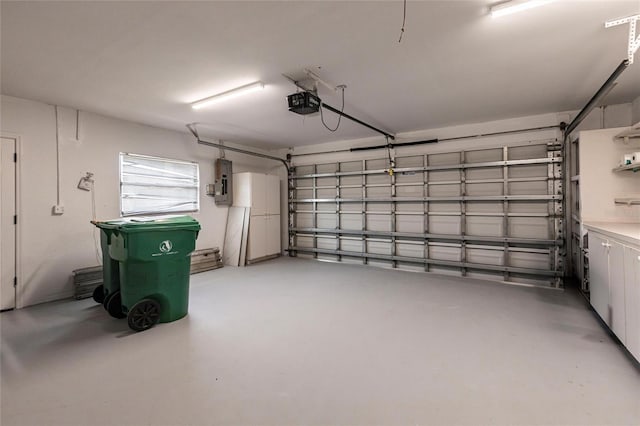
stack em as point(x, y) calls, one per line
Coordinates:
point(629, 232)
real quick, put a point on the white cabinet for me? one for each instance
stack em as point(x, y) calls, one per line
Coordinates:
point(261, 193)
point(632, 299)
point(614, 282)
point(599, 275)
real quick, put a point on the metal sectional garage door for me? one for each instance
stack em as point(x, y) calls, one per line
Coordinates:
point(490, 213)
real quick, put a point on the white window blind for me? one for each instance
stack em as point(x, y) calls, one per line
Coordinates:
point(151, 185)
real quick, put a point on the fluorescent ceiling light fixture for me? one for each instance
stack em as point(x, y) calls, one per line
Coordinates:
point(238, 91)
point(515, 6)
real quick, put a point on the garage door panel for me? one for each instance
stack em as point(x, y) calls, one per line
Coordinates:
point(350, 192)
point(379, 207)
point(527, 171)
point(528, 188)
point(485, 226)
point(325, 207)
point(410, 207)
point(351, 166)
point(484, 256)
point(327, 181)
point(444, 159)
point(442, 252)
point(305, 193)
point(376, 247)
point(531, 219)
point(444, 225)
point(531, 227)
point(326, 193)
point(536, 207)
point(484, 207)
point(351, 221)
point(379, 223)
point(483, 155)
point(327, 220)
point(484, 173)
point(410, 177)
point(379, 191)
point(327, 168)
point(350, 180)
point(409, 250)
point(328, 243)
point(480, 189)
point(485, 275)
point(444, 190)
point(410, 161)
point(410, 224)
point(304, 220)
point(443, 176)
point(527, 152)
point(529, 260)
point(305, 241)
point(351, 245)
point(410, 191)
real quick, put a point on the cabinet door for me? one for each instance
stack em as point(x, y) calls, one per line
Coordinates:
point(242, 189)
point(273, 194)
point(599, 275)
point(616, 290)
point(632, 299)
point(258, 196)
point(273, 234)
point(257, 245)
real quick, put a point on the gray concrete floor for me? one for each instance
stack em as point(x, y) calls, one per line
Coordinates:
point(303, 342)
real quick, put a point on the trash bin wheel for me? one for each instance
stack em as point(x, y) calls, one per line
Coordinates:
point(98, 294)
point(113, 303)
point(144, 315)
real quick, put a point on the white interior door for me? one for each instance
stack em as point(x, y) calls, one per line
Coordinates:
point(7, 225)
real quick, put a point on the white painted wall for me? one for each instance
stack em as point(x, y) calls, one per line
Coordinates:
point(635, 111)
point(599, 153)
point(53, 246)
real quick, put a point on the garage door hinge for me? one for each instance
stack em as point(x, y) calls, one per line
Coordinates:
point(15, 281)
point(15, 157)
point(15, 219)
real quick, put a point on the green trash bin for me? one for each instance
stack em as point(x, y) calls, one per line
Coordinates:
point(110, 267)
point(154, 261)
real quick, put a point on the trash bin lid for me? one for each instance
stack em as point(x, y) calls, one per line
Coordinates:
point(150, 223)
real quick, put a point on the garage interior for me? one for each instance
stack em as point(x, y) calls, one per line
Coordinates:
point(408, 212)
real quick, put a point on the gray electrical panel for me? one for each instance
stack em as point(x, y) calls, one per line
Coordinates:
point(223, 186)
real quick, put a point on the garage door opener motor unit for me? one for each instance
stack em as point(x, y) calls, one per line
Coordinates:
point(303, 103)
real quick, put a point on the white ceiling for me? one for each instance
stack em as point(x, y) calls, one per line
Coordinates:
point(145, 61)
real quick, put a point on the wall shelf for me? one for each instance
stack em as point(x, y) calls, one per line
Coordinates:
point(629, 201)
point(632, 167)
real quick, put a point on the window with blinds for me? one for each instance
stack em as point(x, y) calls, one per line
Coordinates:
point(152, 185)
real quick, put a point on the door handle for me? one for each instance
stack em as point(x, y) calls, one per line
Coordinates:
point(607, 245)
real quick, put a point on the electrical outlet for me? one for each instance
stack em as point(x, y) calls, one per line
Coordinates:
point(58, 209)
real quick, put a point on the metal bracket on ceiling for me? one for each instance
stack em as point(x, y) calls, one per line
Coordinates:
point(634, 42)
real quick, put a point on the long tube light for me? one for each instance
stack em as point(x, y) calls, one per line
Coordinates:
point(515, 6)
point(238, 91)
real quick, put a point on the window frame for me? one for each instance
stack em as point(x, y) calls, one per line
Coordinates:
point(122, 156)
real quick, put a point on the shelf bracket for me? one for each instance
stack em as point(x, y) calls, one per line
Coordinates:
point(634, 42)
